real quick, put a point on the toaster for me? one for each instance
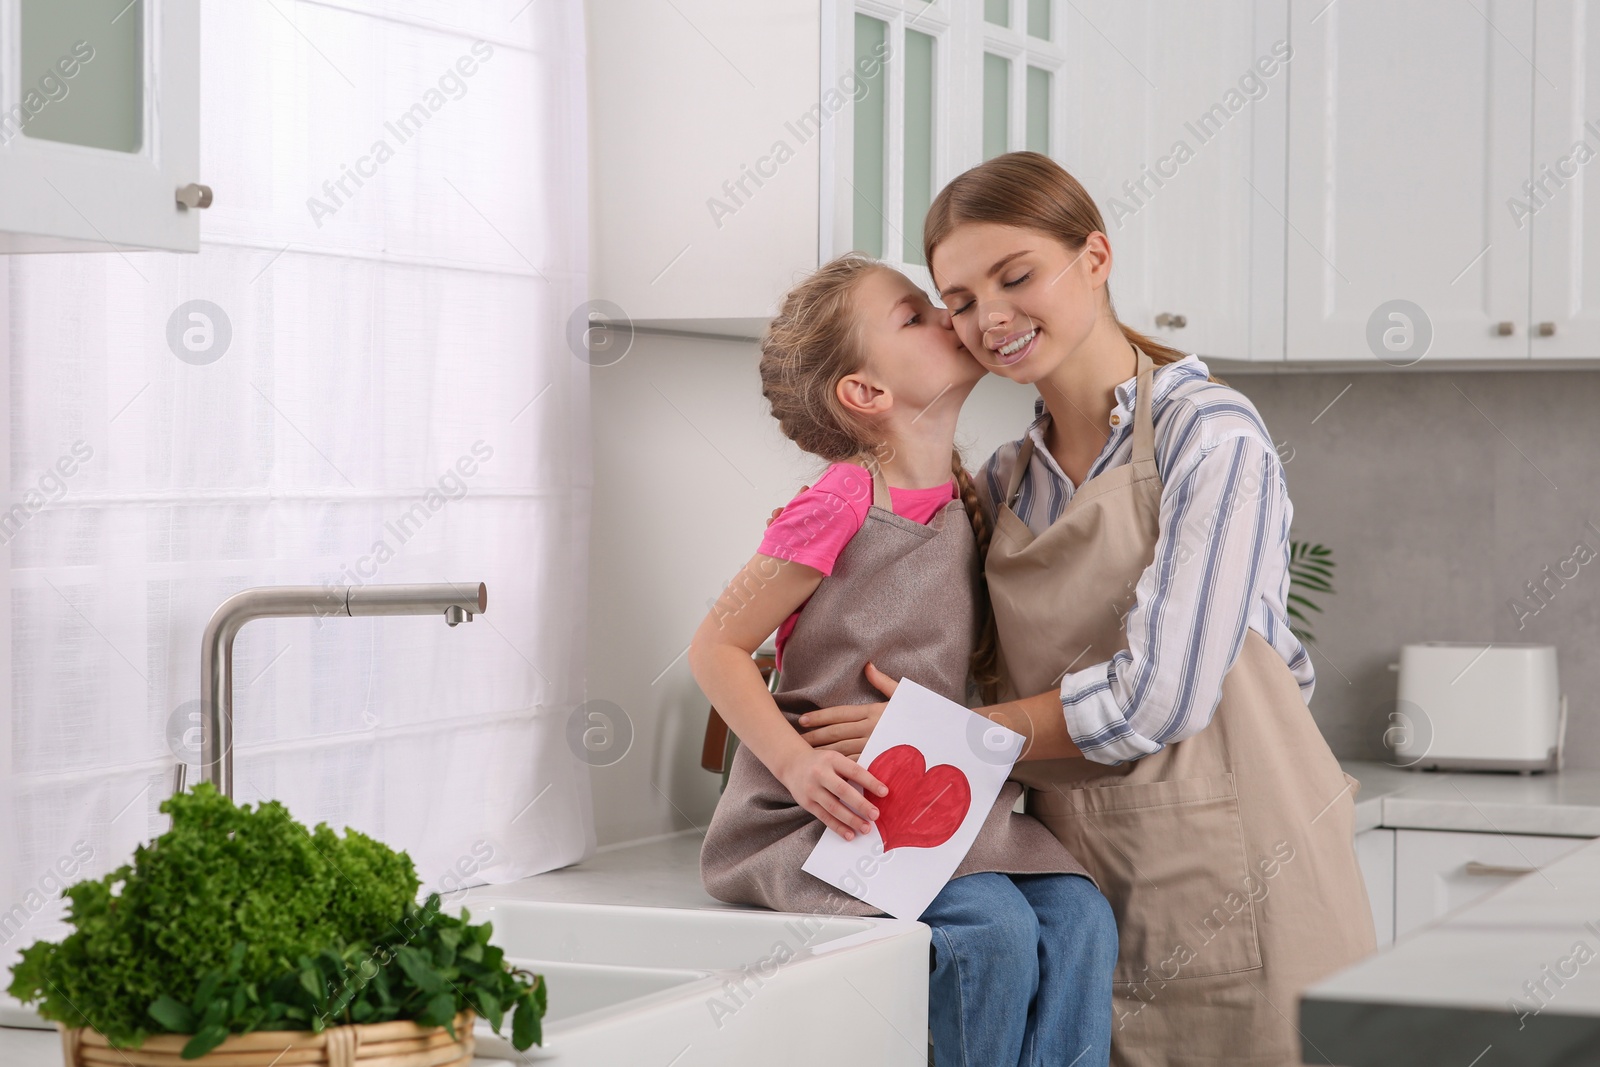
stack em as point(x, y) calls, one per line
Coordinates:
point(1468, 706)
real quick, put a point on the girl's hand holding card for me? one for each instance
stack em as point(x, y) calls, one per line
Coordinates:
point(821, 782)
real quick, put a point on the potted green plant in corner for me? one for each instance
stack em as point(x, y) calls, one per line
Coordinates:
point(1310, 569)
point(239, 937)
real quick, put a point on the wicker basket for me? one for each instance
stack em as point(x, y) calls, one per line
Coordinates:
point(396, 1044)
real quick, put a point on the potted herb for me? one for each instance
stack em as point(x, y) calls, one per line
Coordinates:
point(239, 934)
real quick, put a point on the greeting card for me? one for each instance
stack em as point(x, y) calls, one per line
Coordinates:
point(944, 766)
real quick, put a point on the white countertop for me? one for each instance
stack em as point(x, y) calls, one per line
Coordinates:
point(1457, 991)
point(1565, 804)
point(1454, 977)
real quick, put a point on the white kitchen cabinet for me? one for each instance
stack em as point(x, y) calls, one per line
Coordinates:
point(765, 161)
point(1436, 871)
point(1375, 853)
point(1556, 208)
point(705, 123)
point(1303, 183)
point(961, 83)
point(1409, 129)
point(736, 146)
point(100, 125)
point(1173, 103)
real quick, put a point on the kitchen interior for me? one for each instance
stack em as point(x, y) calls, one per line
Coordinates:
point(324, 309)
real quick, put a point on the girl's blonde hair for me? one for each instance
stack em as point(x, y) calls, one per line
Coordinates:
point(1032, 191)
point(812, 343)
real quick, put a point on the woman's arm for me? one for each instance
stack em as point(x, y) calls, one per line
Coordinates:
point(760, 597)
point(1222, 517)
point(845, 728)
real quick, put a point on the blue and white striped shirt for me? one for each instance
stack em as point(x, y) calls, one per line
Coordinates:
point(1221, 561)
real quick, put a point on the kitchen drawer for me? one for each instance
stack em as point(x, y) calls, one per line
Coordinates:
point(1436, 872)
point(1375, 853)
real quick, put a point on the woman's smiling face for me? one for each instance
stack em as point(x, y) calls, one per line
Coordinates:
point(1019, 299)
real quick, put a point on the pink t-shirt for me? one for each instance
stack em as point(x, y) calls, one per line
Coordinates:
point(816, 525)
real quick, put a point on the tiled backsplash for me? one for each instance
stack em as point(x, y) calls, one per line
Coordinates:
point(1448, 499)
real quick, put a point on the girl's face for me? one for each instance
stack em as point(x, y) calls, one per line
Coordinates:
point(909, 343)
point(1020, 300)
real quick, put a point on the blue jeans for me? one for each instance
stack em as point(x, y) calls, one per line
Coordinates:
point(1021, 972)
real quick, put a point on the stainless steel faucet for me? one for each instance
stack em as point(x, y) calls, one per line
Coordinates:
point(456, 602)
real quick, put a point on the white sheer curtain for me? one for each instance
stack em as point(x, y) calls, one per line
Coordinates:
point(397, 243)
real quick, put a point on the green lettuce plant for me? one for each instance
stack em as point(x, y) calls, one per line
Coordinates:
point(238, 920)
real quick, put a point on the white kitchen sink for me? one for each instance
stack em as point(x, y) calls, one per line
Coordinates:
point(676, 986)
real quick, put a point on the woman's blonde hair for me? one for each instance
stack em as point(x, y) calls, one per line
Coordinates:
point(812, 343)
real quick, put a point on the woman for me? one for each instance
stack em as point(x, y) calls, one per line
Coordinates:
point(1138, 569)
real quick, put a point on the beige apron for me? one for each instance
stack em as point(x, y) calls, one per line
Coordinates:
point(903, 595)
point(1228, 857)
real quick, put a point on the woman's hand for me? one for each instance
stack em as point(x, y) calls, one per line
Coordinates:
point(820, 781)
point(846, 727)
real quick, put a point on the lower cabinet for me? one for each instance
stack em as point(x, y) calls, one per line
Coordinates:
point(1375, 853)
point(1436, 871)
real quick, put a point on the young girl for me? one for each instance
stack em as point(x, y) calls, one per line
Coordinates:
point(882, 554)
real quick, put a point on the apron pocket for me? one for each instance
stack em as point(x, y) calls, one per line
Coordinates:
point(1170, 857)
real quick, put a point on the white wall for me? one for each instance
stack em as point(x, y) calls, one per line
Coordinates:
point(688, 462)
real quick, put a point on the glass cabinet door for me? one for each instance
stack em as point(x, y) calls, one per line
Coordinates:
point(900, 144)
point(1021, 54)
point(82, 73)
point(100, 125)
point(939, 86)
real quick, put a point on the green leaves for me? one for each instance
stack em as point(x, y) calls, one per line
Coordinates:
point(419, 969)
point(1311, 568)
point(238, 920)
point(172, 1015)
point(531, 1006)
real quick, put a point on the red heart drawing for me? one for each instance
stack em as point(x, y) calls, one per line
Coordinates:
point(924, 808)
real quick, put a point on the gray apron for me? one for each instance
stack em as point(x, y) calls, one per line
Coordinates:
point(1228, 857)
point(905, 596)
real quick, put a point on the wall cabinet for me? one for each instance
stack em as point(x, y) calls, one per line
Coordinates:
point(1361, 183)
point(1170, 106)
point(1436, 872)
point(955, 85)
point(1435, 192)
point(705, 124)
point(1408, 130)
point(725, 166)
point(100, 125)
point(1564, 312)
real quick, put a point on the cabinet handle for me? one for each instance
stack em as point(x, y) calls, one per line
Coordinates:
point(195, 195)
point(1496, 870)
point(1503, 329)
point(1167, 318)
point(1547, 329)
